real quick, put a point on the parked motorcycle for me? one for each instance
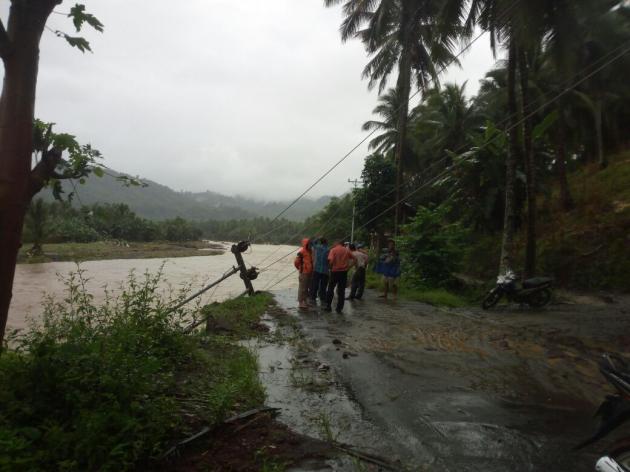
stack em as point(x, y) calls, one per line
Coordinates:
point(613, 412)
point(535, 292)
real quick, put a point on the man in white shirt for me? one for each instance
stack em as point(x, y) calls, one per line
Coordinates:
point(358, 279)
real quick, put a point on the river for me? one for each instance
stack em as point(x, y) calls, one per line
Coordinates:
point(35, 281)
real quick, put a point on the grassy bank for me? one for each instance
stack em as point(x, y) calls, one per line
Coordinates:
point(432, 296)
point(102, 250)
point(112, 387)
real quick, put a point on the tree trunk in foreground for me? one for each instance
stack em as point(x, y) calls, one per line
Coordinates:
point(404, 91)
point(509, 221)
point(530, 169)
point(21, 58)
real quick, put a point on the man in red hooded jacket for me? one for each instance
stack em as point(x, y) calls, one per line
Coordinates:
point(304, 264)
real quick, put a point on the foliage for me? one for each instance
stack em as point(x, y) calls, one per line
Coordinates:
point(109, 387)
point(239, 317)
point(81, 161)
point(334, 222)
point(431, 248)
point(36, 223)
point(377, 194)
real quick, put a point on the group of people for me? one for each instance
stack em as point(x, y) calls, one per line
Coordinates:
point(324, 271)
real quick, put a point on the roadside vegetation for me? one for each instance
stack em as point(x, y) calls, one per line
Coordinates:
point(112, 387)
point(529, 174)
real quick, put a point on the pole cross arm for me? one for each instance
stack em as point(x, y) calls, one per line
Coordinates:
point(247, 275)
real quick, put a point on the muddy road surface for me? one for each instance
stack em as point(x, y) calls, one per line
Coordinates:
point(466, 390)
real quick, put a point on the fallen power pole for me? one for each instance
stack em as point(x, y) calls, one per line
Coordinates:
point(246, 274)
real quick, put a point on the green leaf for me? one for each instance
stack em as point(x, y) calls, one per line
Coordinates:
point(81, 44)
point(97, 171)
point(79, 17)
point(542, 127)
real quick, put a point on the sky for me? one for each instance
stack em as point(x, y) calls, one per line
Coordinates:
point(248, 97)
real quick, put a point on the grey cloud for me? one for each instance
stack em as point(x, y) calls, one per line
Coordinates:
point(241, 97)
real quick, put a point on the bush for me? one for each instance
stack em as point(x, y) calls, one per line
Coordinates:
point(431, 248)
point(72, 229)
point(108, 387)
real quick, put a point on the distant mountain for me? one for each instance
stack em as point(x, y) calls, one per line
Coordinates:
point(159, 202)
point(300, 211)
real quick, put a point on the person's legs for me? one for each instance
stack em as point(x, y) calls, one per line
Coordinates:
point(314, 286)
point(303, 290)
point(385, 287)
point(323, 286)
point(330, 294)
point(360, 275)
point(354, 285)
point(341, 290)
point(309, 288)
point(394, 287)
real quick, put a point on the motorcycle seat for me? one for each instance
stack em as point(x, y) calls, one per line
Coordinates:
point(536, 282)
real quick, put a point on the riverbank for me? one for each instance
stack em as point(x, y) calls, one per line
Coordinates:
point(122, 385)
point(107, 250)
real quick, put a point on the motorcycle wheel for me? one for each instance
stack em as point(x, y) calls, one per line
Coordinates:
point(540, 298)
point(491, 299)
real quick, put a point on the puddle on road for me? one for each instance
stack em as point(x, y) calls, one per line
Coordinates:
point(310, 401)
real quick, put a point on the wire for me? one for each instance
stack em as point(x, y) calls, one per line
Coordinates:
point(557, 97)
point(369, 135)
point(463, 146)
point(487, 143)
point(280, 281)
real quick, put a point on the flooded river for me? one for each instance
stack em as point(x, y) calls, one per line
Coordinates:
point(34, 281)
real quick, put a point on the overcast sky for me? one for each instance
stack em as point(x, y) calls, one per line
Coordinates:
point(246, 97)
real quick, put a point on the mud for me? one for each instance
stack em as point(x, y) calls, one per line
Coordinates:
point(448, 390)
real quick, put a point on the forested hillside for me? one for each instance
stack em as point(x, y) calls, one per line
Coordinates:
point(530, 175)
point(159, 202)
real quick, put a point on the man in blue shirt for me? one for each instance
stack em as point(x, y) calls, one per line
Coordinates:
point(320, 269)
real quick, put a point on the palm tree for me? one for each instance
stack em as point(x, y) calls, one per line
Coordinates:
point(445, 118)
point(405, 35)
point(519, 28)
point(387, 109)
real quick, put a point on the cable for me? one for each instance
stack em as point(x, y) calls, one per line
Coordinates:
point(558, 96)
point(487, 143)
point(369, 135)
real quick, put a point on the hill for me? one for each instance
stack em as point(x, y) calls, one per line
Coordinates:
point(585, 248)
point(159, 202)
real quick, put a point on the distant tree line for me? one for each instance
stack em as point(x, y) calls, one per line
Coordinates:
point(60, 222)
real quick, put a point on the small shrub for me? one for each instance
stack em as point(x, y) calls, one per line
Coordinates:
point(431, 248)
point(109, 387)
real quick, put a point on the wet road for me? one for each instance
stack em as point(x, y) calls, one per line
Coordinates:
point(466, 390)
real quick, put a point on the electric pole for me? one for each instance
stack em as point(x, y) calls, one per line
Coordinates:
point(356, 183)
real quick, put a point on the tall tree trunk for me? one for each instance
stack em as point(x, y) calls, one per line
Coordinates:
point(404, 91)
point(509, 220)
point(566, 200)
point(599, 133)
point(26, 24)
point(530, 168)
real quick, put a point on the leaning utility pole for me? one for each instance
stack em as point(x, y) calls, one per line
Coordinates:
point(356, 183)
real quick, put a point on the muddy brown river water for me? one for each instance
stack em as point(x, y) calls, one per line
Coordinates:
point(34, 281)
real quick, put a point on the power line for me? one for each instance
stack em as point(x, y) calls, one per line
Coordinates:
point(369, 135)
point(487, 143)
